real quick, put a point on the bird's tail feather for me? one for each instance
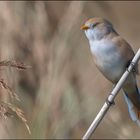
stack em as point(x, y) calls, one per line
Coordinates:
point(133, 111)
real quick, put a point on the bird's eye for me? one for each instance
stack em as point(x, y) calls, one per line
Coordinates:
point(95, 24)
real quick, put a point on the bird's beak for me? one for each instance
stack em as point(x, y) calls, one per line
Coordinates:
point(84, 27)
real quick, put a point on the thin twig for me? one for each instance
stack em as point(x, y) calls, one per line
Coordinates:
point(9, 90)
point(111, 97)
point(15, 64)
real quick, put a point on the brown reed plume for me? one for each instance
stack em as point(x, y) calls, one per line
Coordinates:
point(8, 109)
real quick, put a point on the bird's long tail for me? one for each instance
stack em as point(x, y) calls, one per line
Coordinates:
point(133, 111)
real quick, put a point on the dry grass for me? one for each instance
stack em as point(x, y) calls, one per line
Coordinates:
point(8, 109)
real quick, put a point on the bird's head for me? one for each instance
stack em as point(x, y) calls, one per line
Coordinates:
point(97, 28)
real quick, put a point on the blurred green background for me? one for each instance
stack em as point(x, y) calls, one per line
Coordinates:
point(63, 91)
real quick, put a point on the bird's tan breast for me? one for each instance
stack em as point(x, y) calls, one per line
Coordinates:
point(108, 59)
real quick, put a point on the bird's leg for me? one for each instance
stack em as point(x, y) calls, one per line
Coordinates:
point(130, 63)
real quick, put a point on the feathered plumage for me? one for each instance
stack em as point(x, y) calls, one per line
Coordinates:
point(112, 55)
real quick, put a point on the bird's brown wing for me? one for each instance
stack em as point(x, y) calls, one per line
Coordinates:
point(126, 51)
point(130, 87)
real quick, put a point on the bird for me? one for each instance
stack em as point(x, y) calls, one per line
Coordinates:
point(112, 55)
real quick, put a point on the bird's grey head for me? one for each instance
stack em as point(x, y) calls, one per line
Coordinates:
point(97, 28)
